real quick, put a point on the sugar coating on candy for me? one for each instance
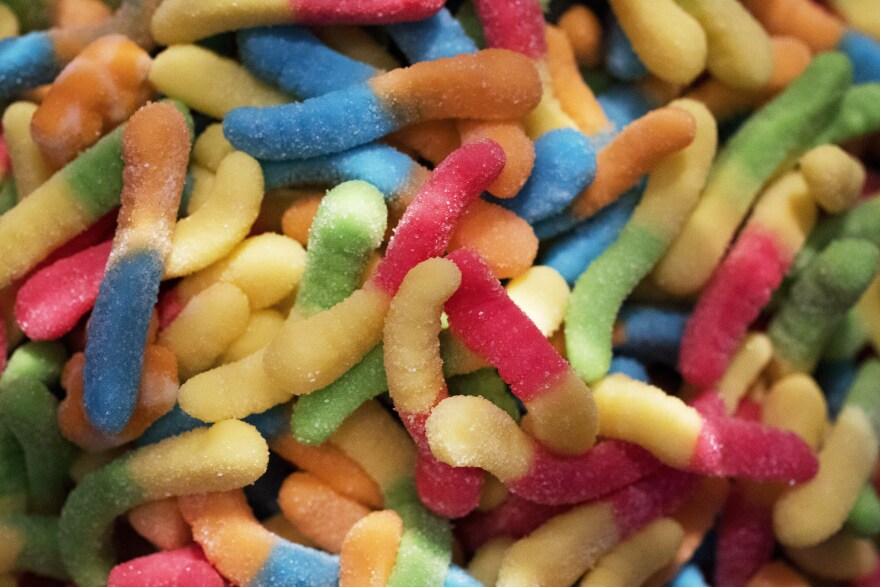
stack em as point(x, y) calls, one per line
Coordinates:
point(184, 566)
point(636, 559)
point(817, 301)
point(103, 86)
point(737, 447)
point(416, 384)
point(369, 550)
point(268, 52)
point(157, 393)
point(43, 311)
point(161, 523)
point(321, 514)
point(745, 539)
point(564, 164)
point(31, 545)
point(27, 409)
point(552, 392)
point(156, 148)
point(227, 455)
point(423, 232)
point(233, 204)
point(491, 84)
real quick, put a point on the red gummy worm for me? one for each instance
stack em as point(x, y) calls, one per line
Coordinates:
point(489, 323)
point(516, 25)
point(53, 299)
point(731, 447)
point(608, 466)
point(745, 540)
point(184, 567)
point(741, 286)
point(427, 224)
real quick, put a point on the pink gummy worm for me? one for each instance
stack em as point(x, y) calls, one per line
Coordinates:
point(362, 12)
point(490, 324)
point(637, 505)
point(605, 468)
point(517, 25)
point(745, 540)
point(515, 518)
point(741, 286)
point(53, 299)
point(427, 224)
point(732, 447)
point(449, 491)
point(184, 567)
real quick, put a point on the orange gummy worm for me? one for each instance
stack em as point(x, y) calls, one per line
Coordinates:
point(634, 152)
point(584, 32)
point(369, 551)
point(99, 89)
point(504, 240)
point(519, 152)
point(431, 140)
point(331, 466)
point(575, 96)
point(803, 19)
point(321, 514)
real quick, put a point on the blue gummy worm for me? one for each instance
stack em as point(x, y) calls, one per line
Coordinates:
point(117, 337)
point(433, 38)
point(25, 63)
point(572, 254)
point(864, 52)
point(271, 423)
point(623, 103)
point(323, 125)
point(295, 60)
point(653, 334)
point(385, 167)
point(630, 367)
point(565, 164)
point(621, 60)
point(690, 576)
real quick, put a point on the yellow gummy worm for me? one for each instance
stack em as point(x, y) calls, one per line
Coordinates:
point(221, 221)
point(208, 82)
point(669, 41)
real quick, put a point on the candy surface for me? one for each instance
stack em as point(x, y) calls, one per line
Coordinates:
point(408, 293)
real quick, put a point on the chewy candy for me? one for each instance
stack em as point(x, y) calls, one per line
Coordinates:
point(409, 292)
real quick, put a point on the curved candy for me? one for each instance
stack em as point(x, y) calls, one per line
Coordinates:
point(349, 225)
point(209, 83)
point(295, 60)
point(455, 434)
point(672, 192)
point(744, 282)
point(635, 151)
point(370, 549)
point(491, 84)
point(670, 42)
point(822, 294)
point(561, 410)
point(156, 149)
point(156, 396)
point(102, 87)
point(183, 566)
point(181, 21)
point(182, 465)
point(30, 544)
point(423, 232)
point(43, 311)
point(783, 128)
point(222, 221)
point(27, 411)
point(416, 385)
point(585, 533)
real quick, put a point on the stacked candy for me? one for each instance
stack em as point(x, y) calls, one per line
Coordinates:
point(405, 292)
